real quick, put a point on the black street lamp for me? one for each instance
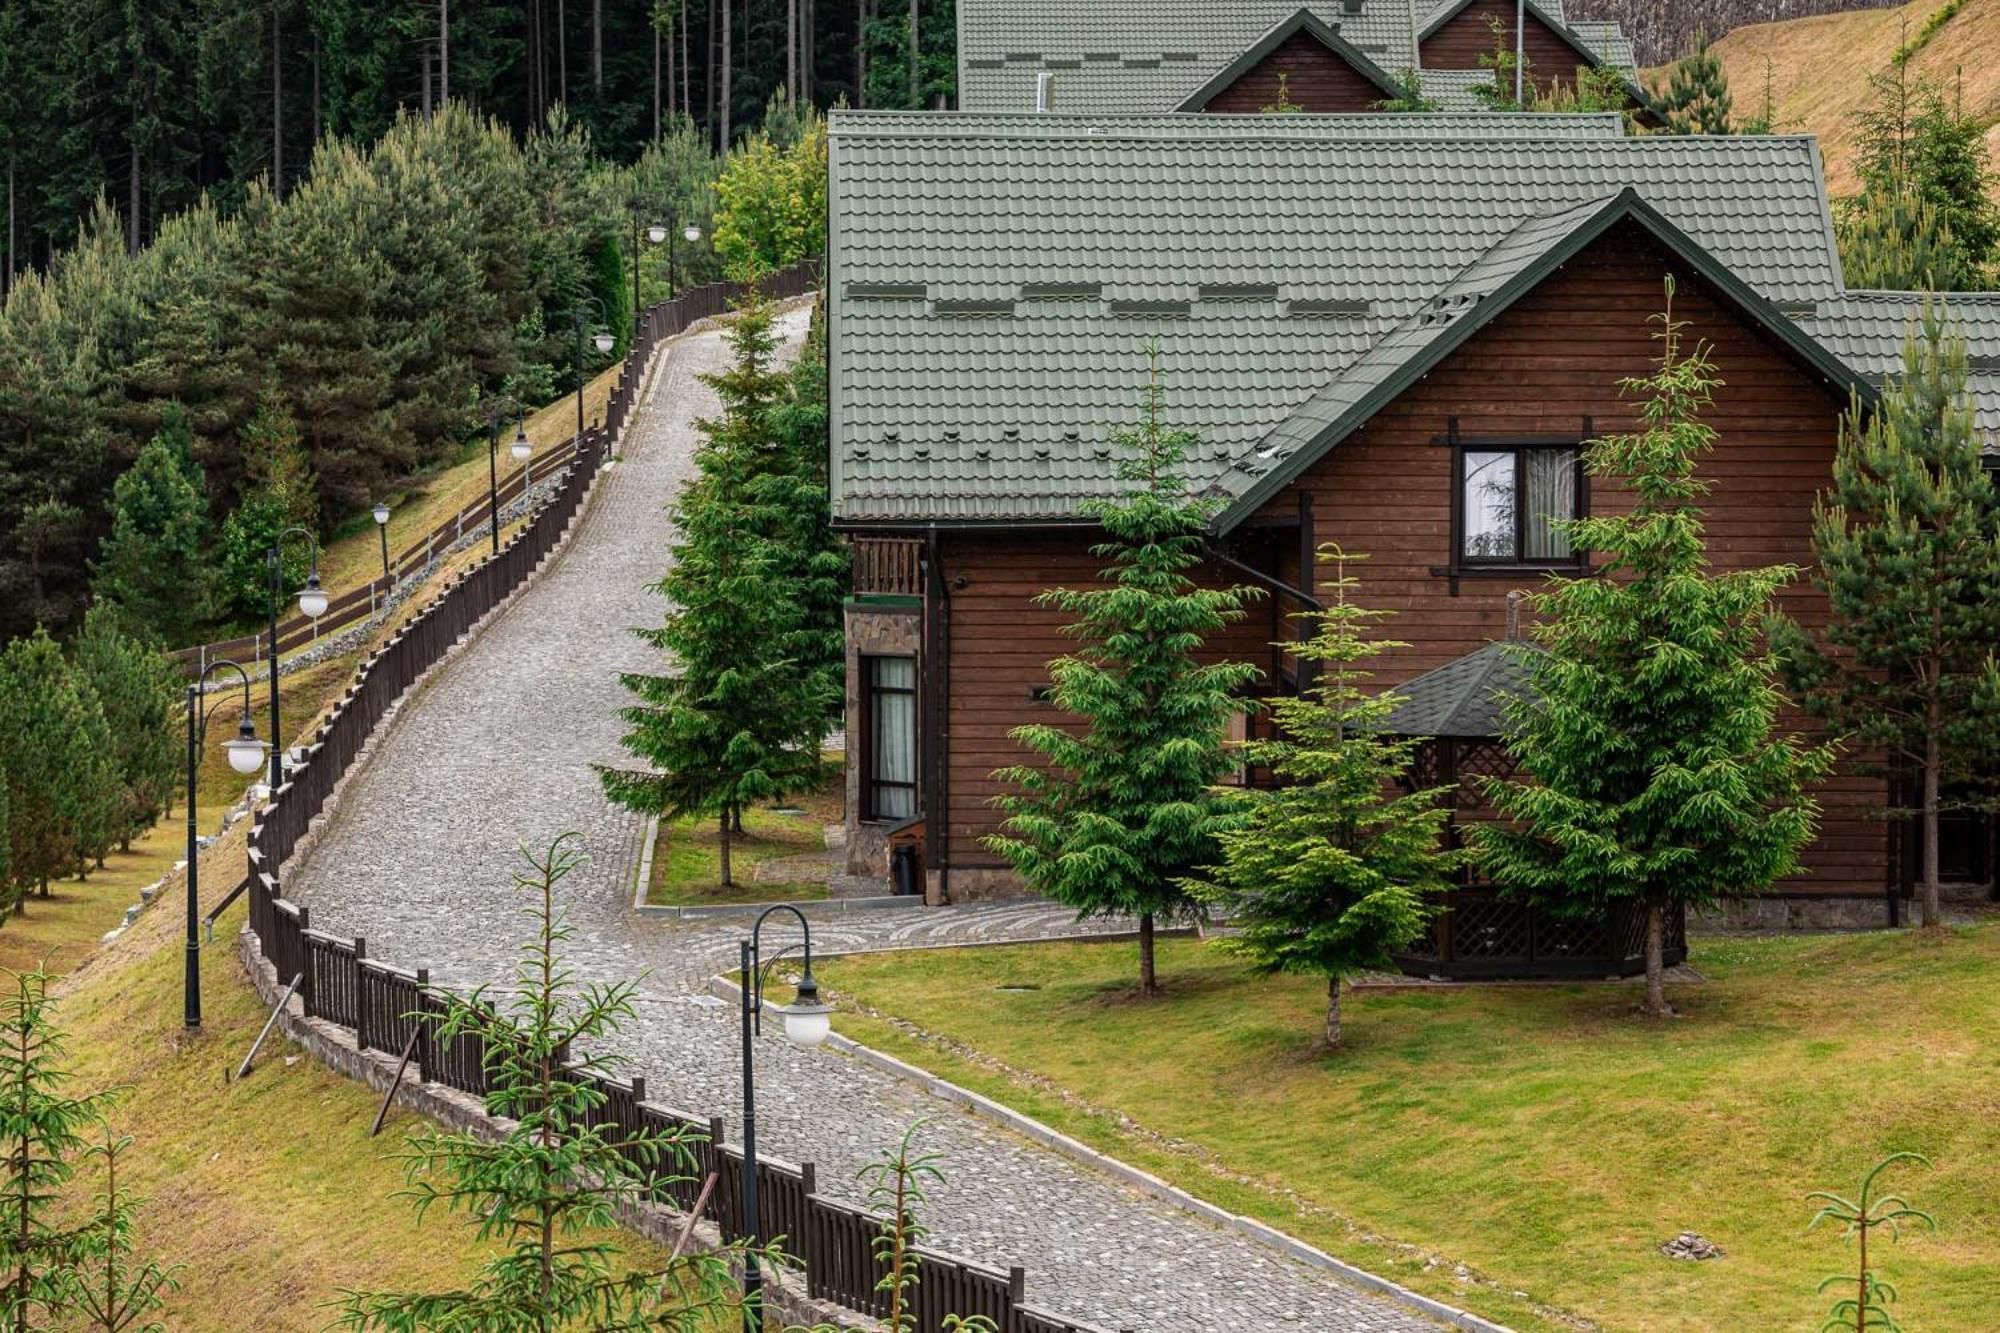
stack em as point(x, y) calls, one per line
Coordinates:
point(601, 338)
point(312, 605)
point(520, 449)
point(654, 233)
point(382, 527)
point(691, 232)
point(807, 1022)
point(246, 756)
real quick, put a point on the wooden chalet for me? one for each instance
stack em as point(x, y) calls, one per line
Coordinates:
point(1391, 332)
point(1148, 57)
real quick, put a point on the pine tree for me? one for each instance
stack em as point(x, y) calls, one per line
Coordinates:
point(1650, 774)
point(1126, 805)
point(1328, 871)
point(558, 1170)
point(150, 570)
point(99, 811)
point(1908, 559)
point(813, 562)
point(45, 734)
point(139, 689)
point(1696, 98)
point(279, 493)
point(103, 1284)
point(42, 1130)
point(739, 722)
point(1925, 218)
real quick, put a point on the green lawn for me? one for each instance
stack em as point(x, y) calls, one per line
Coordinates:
point(687, 858)
point(1546, 1138)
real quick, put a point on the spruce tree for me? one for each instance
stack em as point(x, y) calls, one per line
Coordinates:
point(279, 493)
point(1696, 98)
point(1328, 872)
point(558, 1170)
point(45, 735)
point(42, 1130)
point(104, 1285)
point(99, 812)
point(150, 570)
point(1650, 771)
point(739, 721)
point(814, 562)
point(1909, 561)
point(1123, 808)
point(139, 689)
point(1924, 218)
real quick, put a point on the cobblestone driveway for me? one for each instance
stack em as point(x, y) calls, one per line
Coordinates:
point(498, 749)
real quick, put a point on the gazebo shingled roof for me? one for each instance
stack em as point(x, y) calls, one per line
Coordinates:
point(1464, 699)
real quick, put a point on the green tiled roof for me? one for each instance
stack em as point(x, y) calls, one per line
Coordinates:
point(1113, 56)
point(1213, 127)
point(1867, 330)
point(1009, 416)
point(1452, 90)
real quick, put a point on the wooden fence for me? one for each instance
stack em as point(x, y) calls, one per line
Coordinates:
point(832, 1242)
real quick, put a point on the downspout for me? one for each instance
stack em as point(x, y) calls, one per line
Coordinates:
point(933, 714)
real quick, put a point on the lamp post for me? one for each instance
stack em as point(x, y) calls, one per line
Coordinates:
point(807, 1022)
point(520, 449)
point(382, 527)
point(600, 338)
point(246, 756)
point(654, 233)
point(312, 605)
point(691, 232)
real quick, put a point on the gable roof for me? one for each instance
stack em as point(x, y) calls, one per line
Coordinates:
point(1145, 55)
point(1867, 330)
point(1602, 45)
point(1305, 22)
point(1486, 287)
point(994, 281)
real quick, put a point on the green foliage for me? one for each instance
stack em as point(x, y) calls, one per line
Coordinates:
point(557, 1171)
point(1933, 25)
point(771, 203)
point(1765, 121)
point(896, 1181)
point(1284, 106)
point(1502, 60)
point(139, 690)
point(1925, 218)
point(42, 1130)
point(1597, 88)
point(1696, 99)
point(103, 1283)
point(49, 722)
point(1409, 94)
point(279, 493)
point(1122, 808)
point(1327, 872)
point(1908, 558)
point(1868, 1307)
point(151, 570)
point(1651, 774)
point(886, 54)
point(812, 561)
point(740, 721)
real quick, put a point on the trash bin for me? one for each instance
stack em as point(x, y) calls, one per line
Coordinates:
point(903, 875)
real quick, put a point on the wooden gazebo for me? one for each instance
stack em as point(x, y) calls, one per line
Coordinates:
point(1483, 932)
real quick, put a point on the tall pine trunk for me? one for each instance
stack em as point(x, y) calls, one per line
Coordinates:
point(861, 54)
point(597, 47)
point(916, 62)
point(444, 52)
point(1149, 981)
point(1933, 762)
point(727, 882)
point(728, 87)
point(277, 100)
point(562, 52)
point(687, 77)
point(1333, 1013)
point(792, 49)
point(656, 73)
point(1656, 970)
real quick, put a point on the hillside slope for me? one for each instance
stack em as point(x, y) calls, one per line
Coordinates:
point(1820, 66)
point(1663, 30)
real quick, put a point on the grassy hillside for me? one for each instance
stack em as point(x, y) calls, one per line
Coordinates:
point(1820, 66)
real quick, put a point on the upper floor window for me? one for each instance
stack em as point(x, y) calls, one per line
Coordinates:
point(1513, 500)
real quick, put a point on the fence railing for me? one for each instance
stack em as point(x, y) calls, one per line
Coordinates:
point(663, 320)
point(833, 1242)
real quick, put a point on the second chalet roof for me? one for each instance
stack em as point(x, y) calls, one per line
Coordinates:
point(1868, 329)
point(994, 287)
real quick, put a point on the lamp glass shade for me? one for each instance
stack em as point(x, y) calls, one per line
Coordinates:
point(656, 233)
point(807, 1024)
point(312, 601)
point(692, 232)
point(382, 515)
point(521, 448)
point(246, 754)
point(604, 341)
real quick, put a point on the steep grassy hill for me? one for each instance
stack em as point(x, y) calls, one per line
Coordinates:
point(1662, 30)
point(1819, 68)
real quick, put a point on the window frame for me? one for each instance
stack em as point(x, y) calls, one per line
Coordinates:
point(871, 784)
point(1520, 446)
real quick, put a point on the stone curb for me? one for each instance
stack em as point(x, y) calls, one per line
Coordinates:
point(1143, 1181)
point(334, 1046)
point(814, 907)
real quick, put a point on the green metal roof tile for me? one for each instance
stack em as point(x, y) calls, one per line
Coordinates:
point(1868, 330)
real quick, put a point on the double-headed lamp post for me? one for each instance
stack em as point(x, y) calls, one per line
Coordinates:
point(658, 234)
point(601, 338)
point(246, 756)
point(381, 512)
point(521, 449)
point(807, 1022)
point(312, 605)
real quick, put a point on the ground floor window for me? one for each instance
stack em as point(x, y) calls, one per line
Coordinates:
point(889, 751)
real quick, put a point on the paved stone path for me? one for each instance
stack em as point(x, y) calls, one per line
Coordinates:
point(498, 750)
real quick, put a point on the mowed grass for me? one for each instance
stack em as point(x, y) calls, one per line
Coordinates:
point(687, 858)
point(1547, 1138)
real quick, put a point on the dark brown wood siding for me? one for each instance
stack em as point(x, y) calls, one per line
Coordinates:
point(1542, 367)
point(1468, 35)
point(1315, 78)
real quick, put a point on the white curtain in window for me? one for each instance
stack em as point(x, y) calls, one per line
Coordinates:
point(1489, 506)
point(893, 742)
point(1551, 495)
